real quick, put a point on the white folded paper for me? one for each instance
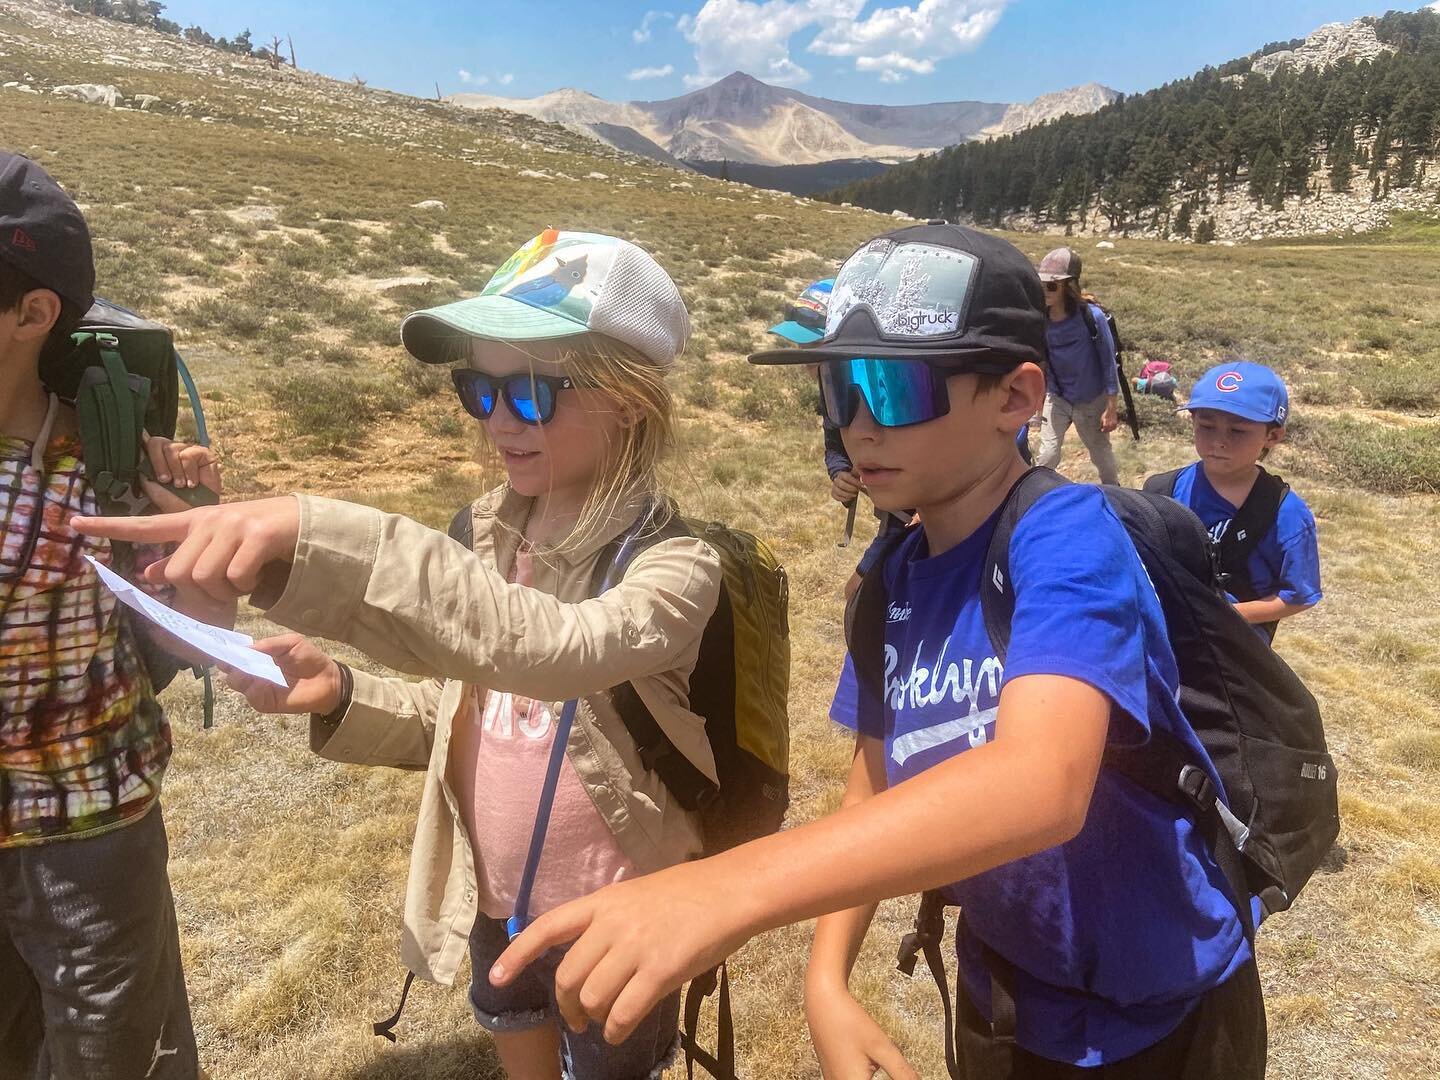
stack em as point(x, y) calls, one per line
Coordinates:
point(228, 647)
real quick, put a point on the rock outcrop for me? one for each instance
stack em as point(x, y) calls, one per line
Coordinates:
point(1325, 48)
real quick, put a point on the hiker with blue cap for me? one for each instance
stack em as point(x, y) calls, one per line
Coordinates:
point(1263, 532)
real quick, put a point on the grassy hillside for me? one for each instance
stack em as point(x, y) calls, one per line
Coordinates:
point(271, 236)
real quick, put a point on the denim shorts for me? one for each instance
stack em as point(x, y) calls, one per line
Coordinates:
point(529, 1002)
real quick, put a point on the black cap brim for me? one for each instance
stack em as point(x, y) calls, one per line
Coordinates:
point(974, 359)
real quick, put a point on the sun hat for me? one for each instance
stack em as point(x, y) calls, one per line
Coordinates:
point(1062, 264)
point(559, 285)
point(938, 292)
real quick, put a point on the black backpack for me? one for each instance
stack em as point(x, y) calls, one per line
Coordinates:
point(1251, 523)
point(1093, 326)
point(1258, 723)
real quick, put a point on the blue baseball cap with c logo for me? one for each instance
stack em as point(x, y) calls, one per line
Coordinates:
point(1244, 389)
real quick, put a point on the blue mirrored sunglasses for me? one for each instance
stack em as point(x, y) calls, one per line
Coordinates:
point(530, 398)
point(898, 393)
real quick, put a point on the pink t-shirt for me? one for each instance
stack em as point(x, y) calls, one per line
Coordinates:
point(499, 750)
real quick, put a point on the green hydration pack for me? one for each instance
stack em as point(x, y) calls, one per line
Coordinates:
point(740, 686)
point(122, 374)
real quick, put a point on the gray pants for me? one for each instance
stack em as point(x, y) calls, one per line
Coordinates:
point(1055, 421)
point(90, 980)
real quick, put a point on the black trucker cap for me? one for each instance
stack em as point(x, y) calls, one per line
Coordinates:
point(42, 232)
point(939, 292)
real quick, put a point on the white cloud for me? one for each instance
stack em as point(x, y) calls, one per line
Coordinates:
point(646, 29)
point(651, 73)
point(741, 35)
point(473, 80)
point(506, 79)
point(891, 41)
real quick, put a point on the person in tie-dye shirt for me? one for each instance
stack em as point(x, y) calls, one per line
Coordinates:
point(90, 980)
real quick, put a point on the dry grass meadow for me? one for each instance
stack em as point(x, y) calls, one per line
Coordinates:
point(265, 223)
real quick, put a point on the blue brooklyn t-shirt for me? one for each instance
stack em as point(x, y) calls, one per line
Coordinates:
point(1286, 562)
point(1117, 933)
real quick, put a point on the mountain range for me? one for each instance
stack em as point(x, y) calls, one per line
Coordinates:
point(743, 120)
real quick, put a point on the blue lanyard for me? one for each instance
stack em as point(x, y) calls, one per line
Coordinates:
point(521, 918)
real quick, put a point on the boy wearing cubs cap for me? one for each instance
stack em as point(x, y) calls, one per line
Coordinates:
point(1263, 532)
point(90, 978)
point(1097, 907)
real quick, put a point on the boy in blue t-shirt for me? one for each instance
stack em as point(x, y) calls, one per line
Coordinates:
point(1264, 532)
point(1101, 900)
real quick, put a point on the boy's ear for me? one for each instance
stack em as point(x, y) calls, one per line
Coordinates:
point(39, 309)
point(1024, 395)
point(1274, 436)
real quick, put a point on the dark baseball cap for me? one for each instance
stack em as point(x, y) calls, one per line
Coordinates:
point(938, 292)
point(42, 232)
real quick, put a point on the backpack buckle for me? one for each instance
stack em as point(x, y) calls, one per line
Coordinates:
point(1197, 787)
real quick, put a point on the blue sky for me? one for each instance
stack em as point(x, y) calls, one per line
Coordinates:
point(885, 51)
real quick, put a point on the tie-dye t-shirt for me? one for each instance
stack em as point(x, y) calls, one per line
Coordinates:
point(83, 743)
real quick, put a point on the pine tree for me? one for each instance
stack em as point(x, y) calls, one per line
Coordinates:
point(1205, 231)
point(1181, 224)
point(1264, 176)
point(1342, 159)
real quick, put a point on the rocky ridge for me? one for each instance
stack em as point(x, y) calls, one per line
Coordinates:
point(1325, 48)
point(745, 120)
point(1092, 97)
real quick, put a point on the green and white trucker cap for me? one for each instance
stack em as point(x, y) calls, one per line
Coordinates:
point(559, 285)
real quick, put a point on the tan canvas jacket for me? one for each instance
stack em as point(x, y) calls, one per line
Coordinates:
point(419, 603)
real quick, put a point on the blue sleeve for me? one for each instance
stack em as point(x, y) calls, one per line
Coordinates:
point(1079, 607)
point(846, 709)
point(1299, 553)
point(836, 459)
point(1105, 347)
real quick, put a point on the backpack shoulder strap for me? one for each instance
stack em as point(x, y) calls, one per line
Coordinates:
point(1162, 483)
point(1088, 314)
point(462, 527)
point(1251, 523)
point(865, 623)
point(997, 594)
point(691, 788)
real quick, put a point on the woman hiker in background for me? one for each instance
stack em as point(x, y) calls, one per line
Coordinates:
point(562, 359)
point(1081, 380)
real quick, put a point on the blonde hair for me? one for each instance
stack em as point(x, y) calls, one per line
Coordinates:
point(634, 385)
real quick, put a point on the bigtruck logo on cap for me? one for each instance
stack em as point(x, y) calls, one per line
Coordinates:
point(23, 240)
point(911, 290)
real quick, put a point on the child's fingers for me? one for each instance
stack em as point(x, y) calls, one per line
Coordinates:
point(190, 460)
point(588, 981)
point(161, 454)
point(558, 927)
point(635, 1002)
point(202, 564)
point(209, 476)
point(280, 645)
point(160, 529)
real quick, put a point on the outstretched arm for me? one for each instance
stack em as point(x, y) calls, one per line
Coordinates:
point(417, 602)
point(1026, 791)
